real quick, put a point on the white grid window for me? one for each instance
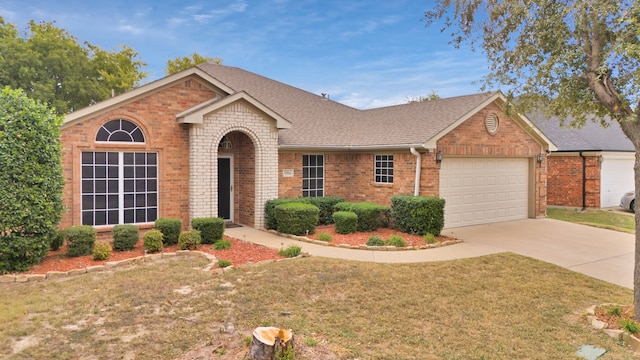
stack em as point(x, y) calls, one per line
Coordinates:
point(384, 169)
point(119, 187)
point(313, 175)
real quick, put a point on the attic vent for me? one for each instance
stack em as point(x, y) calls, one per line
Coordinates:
point(492, 123)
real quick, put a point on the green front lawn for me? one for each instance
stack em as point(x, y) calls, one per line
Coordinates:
point(598, 218)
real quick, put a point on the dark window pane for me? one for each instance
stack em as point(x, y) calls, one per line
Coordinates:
point(87, 186)
point(305, 184)
point(113, 217)
point(320, 193)
point(112, 172)
point(152, 172)
point(128, 201)
point(140, 173)
point(87, 202)
point(141, 186)
point(141, 200)
point(152, 199)
point(113, 158)
point(113, 186)
point(102, 135)
point(141, 215)
point(113, 201)
point(312, 172)
point(87, 158)
point(87, 218)
point(141, 158)
point(120, 136)
point(378, 179)
point(152, 158)
point(390, 171)
point(128, 159)
point(100, 202)
point(320, 160)
point(152, 214)
point(127, 126)
point(87, 172)
point(101, 172)
point(137, 136)
point(100, 218)
point(152, 185)
point(101, 186)
point(312, 160)
point(312, 184)
point(101, 158)
point(128, 186)
point(128, 172)
point(305, 172)
point(112, 125)
point(305, 160)
point(319, 183)
point(128, 217)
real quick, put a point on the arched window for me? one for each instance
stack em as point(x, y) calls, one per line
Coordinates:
point(120, 131)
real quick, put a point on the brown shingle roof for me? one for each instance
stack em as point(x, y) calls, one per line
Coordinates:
point(324, 123)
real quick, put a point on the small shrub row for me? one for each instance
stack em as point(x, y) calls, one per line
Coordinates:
point(211, 228)
point(291, 251)
point(371, 216)
point(325, 205)
point(189, 240)
point(125, 237)
point(170, 229)
point(152, 241)
point(346, 222)
point(297, 218)
point(80, 240)
point(101, 251)
point(393, 240)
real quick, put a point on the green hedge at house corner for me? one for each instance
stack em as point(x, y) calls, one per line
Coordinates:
point(297, 218)
point(371, 216)
point(418, 214)
point(31, 180)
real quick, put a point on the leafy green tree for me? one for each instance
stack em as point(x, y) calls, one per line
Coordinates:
point(31, 179)
point(574, 59)
point(51, 66)
point(181, 63)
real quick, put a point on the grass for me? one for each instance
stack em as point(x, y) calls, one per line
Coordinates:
point(598, 218)
point(502, 306)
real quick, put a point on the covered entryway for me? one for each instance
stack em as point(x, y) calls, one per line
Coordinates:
point(616, 177)
point(484, 190)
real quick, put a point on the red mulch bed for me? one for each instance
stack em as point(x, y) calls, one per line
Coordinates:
point(360, 238)
point(239, 254)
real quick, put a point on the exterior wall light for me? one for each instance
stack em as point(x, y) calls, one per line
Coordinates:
point(439, 156)
point(539, 158)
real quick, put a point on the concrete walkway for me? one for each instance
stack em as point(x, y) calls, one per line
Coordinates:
point(603, 254)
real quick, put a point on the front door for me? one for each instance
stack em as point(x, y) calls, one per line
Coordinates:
point(225, 187)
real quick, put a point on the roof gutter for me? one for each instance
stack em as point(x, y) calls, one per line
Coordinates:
point(350, 147)
point(416, 188)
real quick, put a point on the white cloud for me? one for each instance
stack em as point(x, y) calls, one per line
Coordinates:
point(130, 29)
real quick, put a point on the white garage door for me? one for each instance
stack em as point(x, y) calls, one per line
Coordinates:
point(484, 190)
point(616, 178)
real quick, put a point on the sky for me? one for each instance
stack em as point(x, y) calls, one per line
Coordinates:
point(364, 54)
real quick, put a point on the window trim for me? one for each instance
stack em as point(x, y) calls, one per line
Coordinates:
point(382, 175)
point(121, 187)
point(315, 189)
point(133, 142)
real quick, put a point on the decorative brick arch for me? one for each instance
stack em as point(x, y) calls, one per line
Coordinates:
point(203, 152)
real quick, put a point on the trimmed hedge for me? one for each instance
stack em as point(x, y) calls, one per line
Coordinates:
point(189, 240)
point(211, 228)
point(80, 240)
point(418, 214)
point(325, 204)
point(125, 237)
point(170, 229)
point(297, 218)
point(152, 241)
point(346, 222)
point(371, 216)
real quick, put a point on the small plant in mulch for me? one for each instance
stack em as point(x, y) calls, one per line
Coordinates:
point(618, 317)
point(224, 263)
point(430, 238)
point(291, 251)
point(325, 237)
point(222, 245)
point(375, 241)
point(396, 240)
point(101, 251)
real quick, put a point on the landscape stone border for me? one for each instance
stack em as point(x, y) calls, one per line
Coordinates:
point(597, 324)
point(364, 246)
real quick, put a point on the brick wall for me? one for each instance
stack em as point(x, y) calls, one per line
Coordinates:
point(565, 177)
point(155, 115)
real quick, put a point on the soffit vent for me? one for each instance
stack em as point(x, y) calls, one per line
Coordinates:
point(492, 123)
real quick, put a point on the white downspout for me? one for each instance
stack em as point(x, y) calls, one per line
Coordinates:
point(416, 189)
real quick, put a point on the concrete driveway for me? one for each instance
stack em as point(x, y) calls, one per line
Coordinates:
point(603, 254)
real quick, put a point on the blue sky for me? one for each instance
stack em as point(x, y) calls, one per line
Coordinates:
point(362, 53)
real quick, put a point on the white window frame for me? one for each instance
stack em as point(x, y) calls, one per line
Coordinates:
point(319, 176)
point(382, 171)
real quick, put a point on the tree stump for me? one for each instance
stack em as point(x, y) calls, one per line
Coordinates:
point(269, 341)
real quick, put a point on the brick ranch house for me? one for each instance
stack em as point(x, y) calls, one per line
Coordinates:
point(220, 141)
point(592, 167)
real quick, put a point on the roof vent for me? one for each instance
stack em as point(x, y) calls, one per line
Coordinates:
point(325, 96)
point(492, 123)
